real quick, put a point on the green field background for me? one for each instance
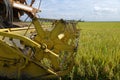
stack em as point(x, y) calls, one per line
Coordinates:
point(98, 55)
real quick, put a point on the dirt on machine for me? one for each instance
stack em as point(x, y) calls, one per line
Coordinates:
point(32, 52)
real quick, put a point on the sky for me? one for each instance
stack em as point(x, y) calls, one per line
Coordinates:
point(87, 10)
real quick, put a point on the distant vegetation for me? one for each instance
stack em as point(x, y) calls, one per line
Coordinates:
point(51, 20)
point(47, 20)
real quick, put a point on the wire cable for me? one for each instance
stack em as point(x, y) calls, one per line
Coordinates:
point(39, 4)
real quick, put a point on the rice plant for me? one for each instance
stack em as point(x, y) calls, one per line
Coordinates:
point(98, 56)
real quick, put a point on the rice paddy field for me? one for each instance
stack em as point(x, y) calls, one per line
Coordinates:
point(98, 55)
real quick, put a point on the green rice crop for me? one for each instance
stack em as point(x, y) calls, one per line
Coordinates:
point(98, 55)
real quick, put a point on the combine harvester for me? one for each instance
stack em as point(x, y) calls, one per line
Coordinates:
point(30, 53)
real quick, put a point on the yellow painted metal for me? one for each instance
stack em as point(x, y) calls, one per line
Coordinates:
point(48, 55)
point(35, 53)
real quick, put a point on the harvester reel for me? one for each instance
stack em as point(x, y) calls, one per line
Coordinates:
point(61, 44)
point(38, 53)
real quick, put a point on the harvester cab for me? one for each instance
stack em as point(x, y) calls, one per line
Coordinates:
point(31, 52)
